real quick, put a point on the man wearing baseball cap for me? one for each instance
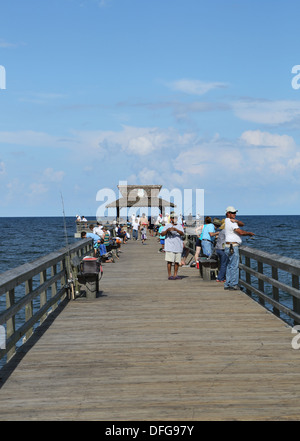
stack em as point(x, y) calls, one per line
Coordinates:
point(233, 240)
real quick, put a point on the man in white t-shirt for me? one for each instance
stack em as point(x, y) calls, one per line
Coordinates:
point(98, 230)
point(135, 229)
point(233, 240)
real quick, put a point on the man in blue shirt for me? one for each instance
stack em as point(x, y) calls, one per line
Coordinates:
point(95, 237)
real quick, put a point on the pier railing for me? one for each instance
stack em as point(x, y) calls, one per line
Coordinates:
point(33, 291)
point(85, 226)
point(270, 279)
point(273, 280)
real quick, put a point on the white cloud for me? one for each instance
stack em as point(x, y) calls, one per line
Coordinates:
point(254, 157)
point(294, 163)
point(51, 175)
point(282, 143)
point(133, 140)
point(2, 168)
point(41, 97)
point(267, 112)
point(28, 138)
point(207, 157)
point(195, 87)
point(37, 189)
point(269, 150)
point(6, 44)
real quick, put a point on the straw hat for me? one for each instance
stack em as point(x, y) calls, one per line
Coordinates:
point(222, 224)
point(217, 222)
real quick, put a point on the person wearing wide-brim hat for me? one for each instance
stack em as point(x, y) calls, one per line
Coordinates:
point(217, 222)
point(233, 240)
point(222, 226)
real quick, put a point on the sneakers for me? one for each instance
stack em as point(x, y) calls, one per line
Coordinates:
point(233, 288)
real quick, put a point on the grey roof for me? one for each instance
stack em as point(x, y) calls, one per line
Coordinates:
point(140, 196)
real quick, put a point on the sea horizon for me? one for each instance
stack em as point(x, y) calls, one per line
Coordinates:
point(113, 217)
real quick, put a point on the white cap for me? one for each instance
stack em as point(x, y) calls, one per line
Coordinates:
point(231, 209)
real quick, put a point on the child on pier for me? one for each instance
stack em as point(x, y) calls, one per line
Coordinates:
point(144, 234)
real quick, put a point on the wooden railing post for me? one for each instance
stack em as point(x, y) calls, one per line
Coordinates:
point(28, 307)
point(275, 291)
point(43, 296)
point(11, 323)
point(261, 284)
point(54, 286)
point(296, 302)
point(248, 275)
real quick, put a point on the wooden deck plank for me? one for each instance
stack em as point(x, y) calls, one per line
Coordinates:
point(151, 349)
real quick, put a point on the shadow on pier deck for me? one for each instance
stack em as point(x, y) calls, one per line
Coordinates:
point(150, 349)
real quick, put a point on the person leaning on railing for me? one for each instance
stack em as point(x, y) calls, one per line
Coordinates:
point(233, 240)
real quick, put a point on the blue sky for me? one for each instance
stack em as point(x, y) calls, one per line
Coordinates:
point(183, 93)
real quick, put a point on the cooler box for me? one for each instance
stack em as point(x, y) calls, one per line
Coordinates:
point(90, 265)
point(90, 268)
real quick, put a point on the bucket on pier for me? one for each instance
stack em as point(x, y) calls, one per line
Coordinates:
point(90, 267)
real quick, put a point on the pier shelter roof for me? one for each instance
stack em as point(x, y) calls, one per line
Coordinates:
point(140, 196)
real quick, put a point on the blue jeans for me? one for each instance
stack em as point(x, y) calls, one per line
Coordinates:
point(206, 247)
point(232, 271)
point(223, 258)
point(135, 234)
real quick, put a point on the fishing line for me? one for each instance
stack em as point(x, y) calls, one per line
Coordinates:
point(68, 261)
point(65, 225)
point(266, 237)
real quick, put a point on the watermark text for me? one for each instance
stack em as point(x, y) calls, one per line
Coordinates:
point(296, 78)
point(295, 340)
point(2, 77)
point(137, 200)
point(2, 338)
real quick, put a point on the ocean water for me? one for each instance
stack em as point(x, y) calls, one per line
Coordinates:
point(25, 239)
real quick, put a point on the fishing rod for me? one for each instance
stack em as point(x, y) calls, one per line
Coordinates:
point(70, 282)
point(265, 237)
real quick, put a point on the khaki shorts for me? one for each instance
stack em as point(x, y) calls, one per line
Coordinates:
point(172, 257)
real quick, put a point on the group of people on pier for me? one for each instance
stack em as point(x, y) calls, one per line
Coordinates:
point(216, 239)
point(102, 241)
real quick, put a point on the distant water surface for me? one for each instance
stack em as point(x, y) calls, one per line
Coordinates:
point(24, 239)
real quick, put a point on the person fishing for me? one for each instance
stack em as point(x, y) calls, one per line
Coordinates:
point(233, 240)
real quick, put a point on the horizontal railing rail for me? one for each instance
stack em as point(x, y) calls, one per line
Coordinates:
point(270, 279)
point(273, 280)
point(191, 243)
point(33, 291)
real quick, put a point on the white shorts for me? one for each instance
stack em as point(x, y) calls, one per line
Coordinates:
point(172, 257)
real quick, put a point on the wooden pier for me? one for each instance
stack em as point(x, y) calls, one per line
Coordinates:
point(152, 349)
